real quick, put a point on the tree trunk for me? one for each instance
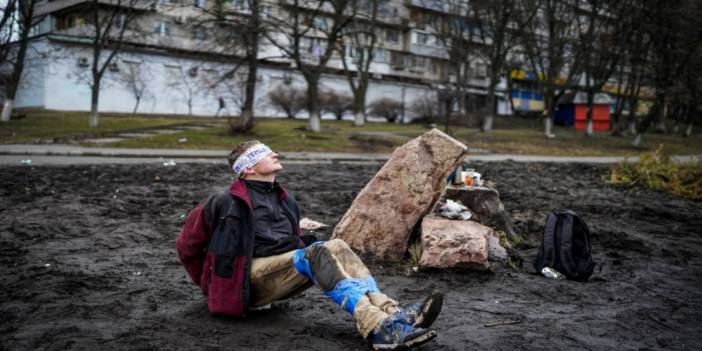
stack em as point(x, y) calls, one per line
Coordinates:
point(590, 105)
point(615, 124)
point(94, 98)
point(26, 10)
point(637, 140)
point(94, 115)
point(632, 126)
point(447, 116)
point(247, 113)
point(660, 125)
point(547, 116)
point(7, 110)
point(688, 130)
point(359, 109)
point(548, 127)
point(313, 106)
point(136, 106)
point(489, 105)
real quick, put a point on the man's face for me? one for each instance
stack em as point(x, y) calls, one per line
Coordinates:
point(269, 165)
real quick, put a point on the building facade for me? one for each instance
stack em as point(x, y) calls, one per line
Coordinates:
point(172, 61)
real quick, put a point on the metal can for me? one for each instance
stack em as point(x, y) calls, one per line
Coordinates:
point(551, 273)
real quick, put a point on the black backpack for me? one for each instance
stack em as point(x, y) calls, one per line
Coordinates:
point(566, 246)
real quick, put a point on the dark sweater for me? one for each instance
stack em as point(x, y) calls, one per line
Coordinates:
point(274, 230)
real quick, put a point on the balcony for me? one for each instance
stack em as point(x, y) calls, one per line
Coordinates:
point(48, 7)
point(431, 51)
point(434, 5)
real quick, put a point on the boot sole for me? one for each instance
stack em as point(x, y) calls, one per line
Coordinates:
point(420, 340)
point(431, 308)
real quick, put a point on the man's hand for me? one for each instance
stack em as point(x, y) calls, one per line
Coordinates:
point(308, 224)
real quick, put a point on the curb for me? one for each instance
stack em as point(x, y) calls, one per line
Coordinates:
point(60, 150)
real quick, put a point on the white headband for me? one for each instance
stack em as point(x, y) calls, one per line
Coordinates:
point(251, 157)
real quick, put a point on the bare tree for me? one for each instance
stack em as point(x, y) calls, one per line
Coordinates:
point(110, 26)
point(359, 44)
point(425, 110)
point(675, 31)
point(290, 100)
point(387, 108)
point(308, 39)
point(15, 56)
point(600, 47)
point(335, 103)
point(500, 20)
point(634, 45)
point(548, 41)
point(239, 28)
point(454, 36)
point(7, 28)
point(190, 82)
point(136, 79)
point(692, 97)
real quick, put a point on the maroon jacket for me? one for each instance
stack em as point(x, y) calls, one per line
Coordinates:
point(217, 242)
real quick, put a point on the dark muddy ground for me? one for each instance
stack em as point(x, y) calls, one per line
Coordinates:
point(88, 262)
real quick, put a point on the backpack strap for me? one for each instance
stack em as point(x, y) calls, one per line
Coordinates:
point(549, 243)
point(584, 263)
point(566, 246)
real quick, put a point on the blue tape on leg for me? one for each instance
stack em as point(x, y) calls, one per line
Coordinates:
point(302, 265)
point(372, 285)
point(348, 291)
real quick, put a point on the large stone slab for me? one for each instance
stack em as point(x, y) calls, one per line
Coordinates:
point(448, 243)
point(381, 218)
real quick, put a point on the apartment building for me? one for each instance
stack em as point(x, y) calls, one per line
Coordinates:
point(173, 56)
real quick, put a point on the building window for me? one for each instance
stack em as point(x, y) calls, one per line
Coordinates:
point(241, 5)
point(421, 38)
point(417, 62)
point(381, 55)
point(320, 23)
point(267, 11)
point(120, 21)
point(199, 33)
point(166, 2)
point(350, 51)
point(199, 3)
point(433, 67)
point(162, 28)
point(392, 36)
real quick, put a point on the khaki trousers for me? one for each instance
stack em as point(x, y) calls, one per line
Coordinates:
point(275, 277)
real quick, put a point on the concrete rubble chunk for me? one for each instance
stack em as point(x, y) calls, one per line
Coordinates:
point(485, 205)
point(484, 202)
point(381, 218)
point(450, 243)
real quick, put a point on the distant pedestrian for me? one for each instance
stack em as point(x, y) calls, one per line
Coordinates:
point(243, 247)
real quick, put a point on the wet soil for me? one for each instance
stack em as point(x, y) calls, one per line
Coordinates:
point(87, 261)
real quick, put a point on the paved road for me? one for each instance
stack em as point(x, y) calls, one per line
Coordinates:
point(58, 154)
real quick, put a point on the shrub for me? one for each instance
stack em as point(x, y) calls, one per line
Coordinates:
point(335, 103)
point(656, 170)
point(387, 108)
point(426, 110)
point(289, 100)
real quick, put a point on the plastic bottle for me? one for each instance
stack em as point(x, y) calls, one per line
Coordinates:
point(551, 273)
